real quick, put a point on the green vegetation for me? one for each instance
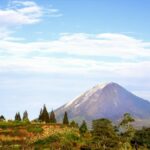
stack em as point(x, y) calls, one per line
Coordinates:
point(44, 116)
point(83, 128)
point(45, 133)
point(103, 135)
point(74, 124)
point(2, 118)
point(34, 129)
point(65, 119)
point(142, 137)
point(52, 118)
point(25, 116)
point(17, 117)
point(65, 139)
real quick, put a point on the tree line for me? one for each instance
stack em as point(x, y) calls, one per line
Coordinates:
point(44, 116)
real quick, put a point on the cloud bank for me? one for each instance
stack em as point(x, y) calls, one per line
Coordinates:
point(74, 53)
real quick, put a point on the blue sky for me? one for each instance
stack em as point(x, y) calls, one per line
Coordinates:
point(52, 51)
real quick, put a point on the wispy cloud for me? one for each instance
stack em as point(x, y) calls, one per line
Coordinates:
point(20, 13)
point(25, 12)
point(79, 53)
point(108, 45)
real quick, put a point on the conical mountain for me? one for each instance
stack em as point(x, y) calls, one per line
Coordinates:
point(108, 100)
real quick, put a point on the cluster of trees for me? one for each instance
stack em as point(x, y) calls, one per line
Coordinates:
point(24, 118)
point(44, 116)
point(107, 136)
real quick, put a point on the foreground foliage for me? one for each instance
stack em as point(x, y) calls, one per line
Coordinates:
point(46, 134)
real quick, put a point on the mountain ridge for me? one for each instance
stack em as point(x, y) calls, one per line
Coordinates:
point(106, 100)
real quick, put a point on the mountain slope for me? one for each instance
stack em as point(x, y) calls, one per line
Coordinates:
point(108, 101)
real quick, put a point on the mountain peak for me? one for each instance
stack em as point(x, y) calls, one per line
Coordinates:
point(102, 85)
point(106, 100)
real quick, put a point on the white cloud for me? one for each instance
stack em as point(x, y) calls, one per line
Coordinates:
point(4, 33)
point(21, 13)
point(109, 45)
point(121, 52)
point(76, 66)
point(24, 12)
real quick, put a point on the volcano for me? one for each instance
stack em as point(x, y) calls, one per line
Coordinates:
point(109, 100)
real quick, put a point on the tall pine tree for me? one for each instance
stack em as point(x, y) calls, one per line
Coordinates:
point(104, 135)
point(52, 118)
point(17, 117)
point(44, 116)
point(83, 128)
point(25, 116)
point(65, 119)
point(40, 115)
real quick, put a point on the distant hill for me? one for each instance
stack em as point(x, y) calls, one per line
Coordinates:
point(108, 100)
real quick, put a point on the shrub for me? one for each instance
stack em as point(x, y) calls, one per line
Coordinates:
point(35, 129)
point(48, 140)
point(71, 136)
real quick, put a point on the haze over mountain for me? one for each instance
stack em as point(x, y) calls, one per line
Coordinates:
point(108, 100)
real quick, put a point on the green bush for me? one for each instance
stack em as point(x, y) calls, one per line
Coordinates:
point(142, 137)
point(12, 124)
point(71, 136)
point(48, 140)
point(66, 144)
point(35, 129)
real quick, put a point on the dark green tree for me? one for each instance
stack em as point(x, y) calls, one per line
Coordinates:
point(126, 128)
point(104, 136)
point(127, 119)
point(25, 116)
point(44, 115)
point(40, 115)
point(142, 138)
point(83, 128)
point(65, 119)
point(17, 117)
point(52, 117)
point(74, 124)
point(2, 118)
